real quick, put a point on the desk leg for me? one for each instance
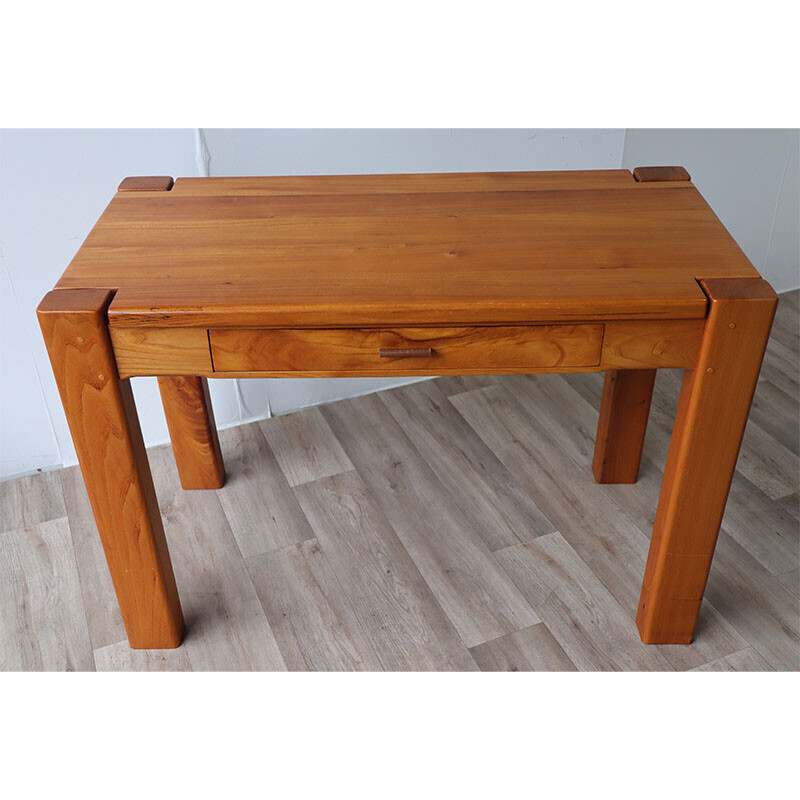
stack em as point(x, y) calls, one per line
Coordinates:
point(712, 412)
point(622, 425)
point(105, 429)
point(190, 420)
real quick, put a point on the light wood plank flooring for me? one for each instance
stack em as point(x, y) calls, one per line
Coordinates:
point(447, 525)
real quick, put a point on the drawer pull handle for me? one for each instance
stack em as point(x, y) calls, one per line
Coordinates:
point(406, 352)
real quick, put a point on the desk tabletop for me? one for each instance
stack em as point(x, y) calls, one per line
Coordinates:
point(370, 250)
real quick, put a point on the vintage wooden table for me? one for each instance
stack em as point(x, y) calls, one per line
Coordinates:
point(475, 273)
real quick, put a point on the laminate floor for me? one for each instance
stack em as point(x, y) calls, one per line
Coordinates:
point(447, 525)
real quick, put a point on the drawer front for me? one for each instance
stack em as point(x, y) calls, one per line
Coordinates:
point(432, 351)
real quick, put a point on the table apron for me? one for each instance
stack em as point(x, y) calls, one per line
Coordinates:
point(588, 346)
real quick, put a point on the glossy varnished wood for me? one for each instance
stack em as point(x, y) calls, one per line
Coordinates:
point(161, 351)
point(658, 344)
point(712, 412)
point(344, 251)
point(146, 183)
point(423, 275)
point(190, 419)
point(412, 183)
point(336, 353)
point(105, 430)
point(452, 350)
point(622, 425)
point(659, 174)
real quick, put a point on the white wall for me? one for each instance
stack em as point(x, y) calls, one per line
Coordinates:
point(751, 178)
point(53, 186)
point(55, 183)
point(340, 151)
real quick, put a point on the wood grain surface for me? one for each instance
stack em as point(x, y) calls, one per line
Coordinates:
point(622, 425)
point(226, 627)
point(452, 349)
point(709, 425)
point(305, 446)
point(102, 614)
point(394, 607)
point(646, 174)
point(105, 430)
point(479, 599)
point(30, 500)
point(413, 183)
point(629, 344)
point(533, 649)
point(756, 604)
point(524, 440)
point(488, 496)
point(648, 343)
point(257, 499)
point(747, 660)
point(42, 624)
point(458, 274)
point(149, 183)
point(190, 419)
point(161, 351)
point(339, 251)
point(552, 576)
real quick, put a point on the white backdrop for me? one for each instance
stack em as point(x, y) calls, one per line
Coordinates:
point(751, 178)
point(55, 183)
point(53, 186)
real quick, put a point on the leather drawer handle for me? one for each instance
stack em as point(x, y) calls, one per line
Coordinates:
point(406, 352)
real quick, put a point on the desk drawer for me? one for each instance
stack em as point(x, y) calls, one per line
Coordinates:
point(431, 351)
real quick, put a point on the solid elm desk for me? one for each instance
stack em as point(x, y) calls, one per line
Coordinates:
point(452, 274)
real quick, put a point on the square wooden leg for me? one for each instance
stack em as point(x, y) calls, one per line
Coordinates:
point(105, 429)
point(190, 420)
point(712, 412)
point(621, 428)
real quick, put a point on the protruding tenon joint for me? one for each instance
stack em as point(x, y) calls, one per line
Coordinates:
point(151, 183)
point(651, 174)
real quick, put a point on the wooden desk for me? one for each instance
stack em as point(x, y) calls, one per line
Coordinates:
point(408, 275)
